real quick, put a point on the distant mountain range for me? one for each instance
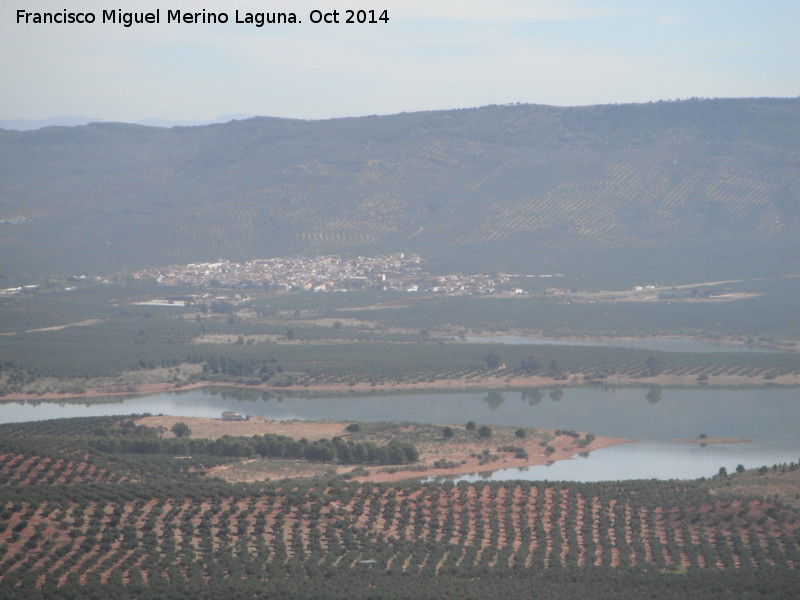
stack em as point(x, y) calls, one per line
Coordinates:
point(32, 124)
point(666, 190)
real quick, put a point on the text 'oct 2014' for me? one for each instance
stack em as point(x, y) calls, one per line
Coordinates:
point(203, 17)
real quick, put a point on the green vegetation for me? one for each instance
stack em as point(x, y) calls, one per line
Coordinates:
point(77, 522)
point(181, 430)
point(117, 345)
point(779, 483)
point(572, 187)
point(113, 437)
point(110, 350)
point(102, 507)
point(773, 315)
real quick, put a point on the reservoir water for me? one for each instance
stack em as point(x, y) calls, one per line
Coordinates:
point(769, 418)
point(663, 344)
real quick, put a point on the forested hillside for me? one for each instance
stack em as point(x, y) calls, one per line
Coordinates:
point(710, 186)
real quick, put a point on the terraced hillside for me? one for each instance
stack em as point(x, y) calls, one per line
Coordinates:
point(709, 182)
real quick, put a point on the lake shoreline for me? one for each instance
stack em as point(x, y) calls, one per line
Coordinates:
point(700, 416)
point(472, 465)
point(444, 385)
point(460, 457)
point(703, 441)
point(778, 346)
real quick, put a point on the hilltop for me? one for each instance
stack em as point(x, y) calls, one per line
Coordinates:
point(707, 186)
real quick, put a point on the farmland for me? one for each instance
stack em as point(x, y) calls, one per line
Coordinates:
point(103, 338)
point(672, 221)
point(118, 506)
point(83, 522)
point(148, 536)
point(373, 340)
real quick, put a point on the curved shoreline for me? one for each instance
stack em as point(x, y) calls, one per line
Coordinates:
point(461, 456)
point(473, 466)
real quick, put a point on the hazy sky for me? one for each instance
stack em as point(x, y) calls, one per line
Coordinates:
point(432, 54)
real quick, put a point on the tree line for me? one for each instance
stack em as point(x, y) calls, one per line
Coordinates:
point(336, 450)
